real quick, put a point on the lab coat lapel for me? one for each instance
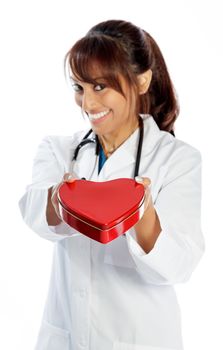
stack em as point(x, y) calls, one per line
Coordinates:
point(122, 161)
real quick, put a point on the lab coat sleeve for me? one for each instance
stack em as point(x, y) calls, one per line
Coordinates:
point(180, 244)
point(47, 172)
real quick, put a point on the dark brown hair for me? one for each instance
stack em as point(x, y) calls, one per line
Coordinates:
point(117, 47)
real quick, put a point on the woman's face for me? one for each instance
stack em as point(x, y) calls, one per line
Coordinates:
point(109, 112)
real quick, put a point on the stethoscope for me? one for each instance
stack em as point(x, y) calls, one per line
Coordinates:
point(95, 140)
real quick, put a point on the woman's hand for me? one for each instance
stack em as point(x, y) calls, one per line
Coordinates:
point(146, 182)
point(148, 227)
point(52, 211)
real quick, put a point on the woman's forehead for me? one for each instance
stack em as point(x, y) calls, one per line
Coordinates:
point(95, 73)
point(90, 71)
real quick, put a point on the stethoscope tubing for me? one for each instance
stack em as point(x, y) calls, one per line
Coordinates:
point(95, 140)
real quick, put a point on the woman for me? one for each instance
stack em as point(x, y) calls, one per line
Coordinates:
point(120, 295)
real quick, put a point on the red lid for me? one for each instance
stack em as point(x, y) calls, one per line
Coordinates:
point(102, 204)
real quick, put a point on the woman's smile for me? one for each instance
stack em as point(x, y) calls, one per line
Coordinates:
point(97, 117)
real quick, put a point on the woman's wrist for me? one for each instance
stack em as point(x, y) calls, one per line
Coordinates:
point(51, 213)
point(148, 229)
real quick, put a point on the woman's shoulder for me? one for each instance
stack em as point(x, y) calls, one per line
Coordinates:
point(174, 156)
point(58, 147)
point(64, 141)
point(181, 155)
point(164, 142)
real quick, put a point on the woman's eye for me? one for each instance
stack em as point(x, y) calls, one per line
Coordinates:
point(76, 87)
point(99, 87)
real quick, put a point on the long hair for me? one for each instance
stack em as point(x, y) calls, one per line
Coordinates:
point(117, 47)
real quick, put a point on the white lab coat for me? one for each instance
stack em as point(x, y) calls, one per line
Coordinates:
point(114, 296)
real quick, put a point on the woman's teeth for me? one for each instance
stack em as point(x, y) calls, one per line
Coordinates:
point(98, 115)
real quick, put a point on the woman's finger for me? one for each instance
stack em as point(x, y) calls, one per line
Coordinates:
point(145, 181)
point(68, 177)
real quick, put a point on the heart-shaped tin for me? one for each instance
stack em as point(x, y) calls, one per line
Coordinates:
point(101, 210)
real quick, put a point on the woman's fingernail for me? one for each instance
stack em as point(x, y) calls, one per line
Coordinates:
point(138, 179)
point(69, 178)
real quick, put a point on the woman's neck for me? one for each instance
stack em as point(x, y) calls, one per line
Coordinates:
point(111, 142)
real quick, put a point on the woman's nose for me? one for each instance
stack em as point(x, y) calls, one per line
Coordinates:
point(89, 101)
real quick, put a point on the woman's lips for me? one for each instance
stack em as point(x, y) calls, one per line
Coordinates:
point(99, 120)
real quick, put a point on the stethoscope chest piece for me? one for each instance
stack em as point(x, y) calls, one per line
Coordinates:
point(102, 211)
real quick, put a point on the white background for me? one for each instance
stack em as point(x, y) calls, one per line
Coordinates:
point(35, 101)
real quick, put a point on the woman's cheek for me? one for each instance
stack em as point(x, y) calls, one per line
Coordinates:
point(78, 100)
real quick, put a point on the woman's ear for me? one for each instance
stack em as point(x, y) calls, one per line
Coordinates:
point(144, 81)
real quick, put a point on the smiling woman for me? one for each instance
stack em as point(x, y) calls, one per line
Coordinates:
point(120, 295)
point(112, 114)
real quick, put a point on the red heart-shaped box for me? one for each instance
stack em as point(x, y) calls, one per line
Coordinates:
point(101, 210)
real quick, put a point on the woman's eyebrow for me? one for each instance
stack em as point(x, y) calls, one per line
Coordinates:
point(77, 81)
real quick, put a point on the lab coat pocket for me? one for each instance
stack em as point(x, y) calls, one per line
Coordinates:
point(127, 346)
point(117, 253)
point(52, 338)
